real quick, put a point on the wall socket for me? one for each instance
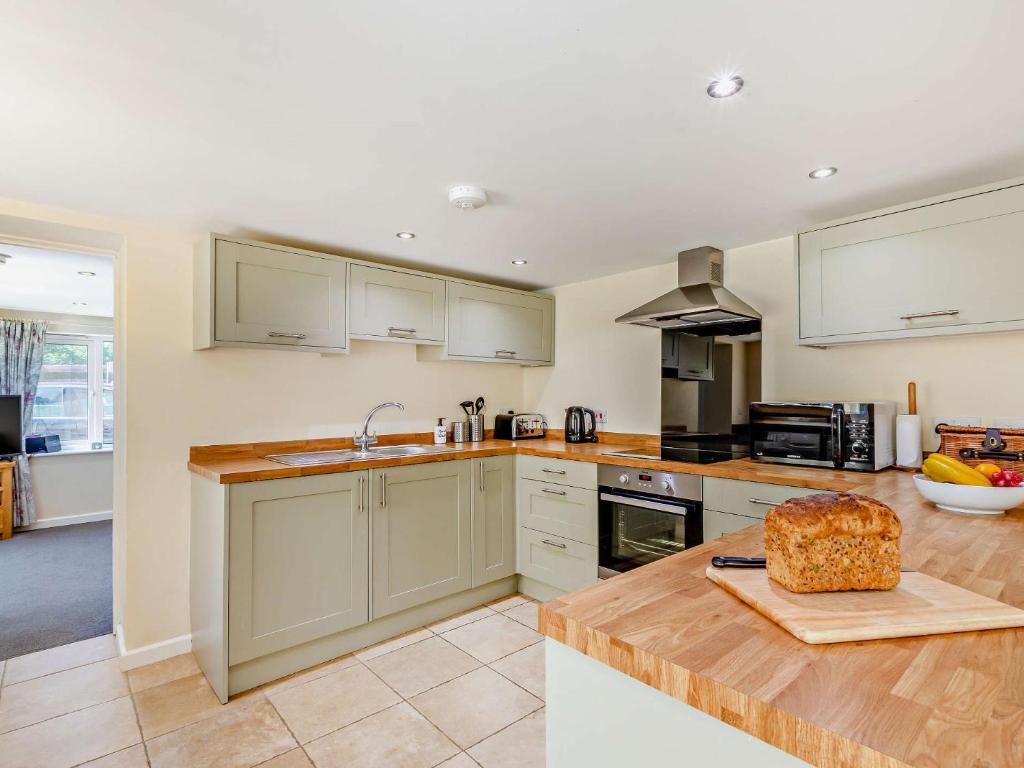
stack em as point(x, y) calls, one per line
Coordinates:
point(601, 416)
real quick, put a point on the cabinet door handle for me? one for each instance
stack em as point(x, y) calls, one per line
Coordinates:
point(554, 471)
point(481, 475)
point(504, 353)
point(765, 502)
point(936, 313)
point(359, 506)
point(383, 490)
point(554, 493)
point(393, 331)
point(553, 544)
point(278, 335)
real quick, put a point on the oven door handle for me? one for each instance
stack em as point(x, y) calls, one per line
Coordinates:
point(672, 509)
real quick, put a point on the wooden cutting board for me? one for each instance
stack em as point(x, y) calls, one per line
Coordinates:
point(920, 605)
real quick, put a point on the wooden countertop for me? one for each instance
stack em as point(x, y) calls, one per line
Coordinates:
point(943, 700)
point(244, 463)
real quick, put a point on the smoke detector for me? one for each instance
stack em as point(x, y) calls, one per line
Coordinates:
point(467, 196)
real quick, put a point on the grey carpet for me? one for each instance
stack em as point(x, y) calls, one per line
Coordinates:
point(55, 587)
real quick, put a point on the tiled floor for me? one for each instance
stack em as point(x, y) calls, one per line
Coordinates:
point(464, 692)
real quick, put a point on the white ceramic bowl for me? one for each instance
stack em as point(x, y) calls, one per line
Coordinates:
point(969, 499)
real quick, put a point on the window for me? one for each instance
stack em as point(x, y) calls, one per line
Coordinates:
point(75, 397)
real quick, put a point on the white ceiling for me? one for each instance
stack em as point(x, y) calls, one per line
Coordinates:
point(41, 280)
point(336, 124)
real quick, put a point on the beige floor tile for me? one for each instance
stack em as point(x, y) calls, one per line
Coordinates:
point(167, 707)
point(294, 759)
point(521, 745)
point(3, 665)
point(162, 672)
point(459, 619)
point(524, 613)
point(399, 737)
point(504, 603)
point(492, 638)
point(331, 702)
point(461, 760)
point(72, 739)
point(133, 757)
point(419, 667)
point(41, 698)
point(239, 737)
point(474, 706)
point(525, 668)
point(313, 673)
point(393, 644)
point(58, 659)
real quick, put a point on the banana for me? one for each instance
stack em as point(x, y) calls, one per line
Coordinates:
point(944, 469)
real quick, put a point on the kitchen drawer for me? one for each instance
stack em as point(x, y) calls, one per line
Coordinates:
point(558, 509)
point(581, 474)
point(717, 524)
point(747, 498)
point(557, 561)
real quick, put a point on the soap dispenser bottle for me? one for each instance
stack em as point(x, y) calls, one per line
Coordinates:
point(440, 433)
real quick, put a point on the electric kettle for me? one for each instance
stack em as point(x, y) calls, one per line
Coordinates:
point(580, 424)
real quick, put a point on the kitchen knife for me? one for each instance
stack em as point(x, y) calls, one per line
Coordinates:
point(728, 561)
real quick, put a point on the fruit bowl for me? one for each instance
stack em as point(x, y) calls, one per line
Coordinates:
point(969, 499)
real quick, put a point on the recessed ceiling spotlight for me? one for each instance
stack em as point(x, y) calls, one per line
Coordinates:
point(405, 235)
point(86, 273)
point(823, 173)
point(3, 258)
point(519, 262)
point(79, 304)
point(725, 87)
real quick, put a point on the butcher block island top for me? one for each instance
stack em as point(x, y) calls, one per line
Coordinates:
point(941, 700)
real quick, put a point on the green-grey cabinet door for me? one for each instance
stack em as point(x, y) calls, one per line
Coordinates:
point(394, 304)
point(496, 324)
point(422, 534)
point(279, 297)
point(299, 561)
point(494, 519)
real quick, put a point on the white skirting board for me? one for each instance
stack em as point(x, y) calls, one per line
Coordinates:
point(150, 654)
point(53, 522)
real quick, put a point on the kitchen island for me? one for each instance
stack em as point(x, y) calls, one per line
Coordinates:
point(720, 682)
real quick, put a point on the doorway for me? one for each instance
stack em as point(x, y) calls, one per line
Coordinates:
point(58, 342)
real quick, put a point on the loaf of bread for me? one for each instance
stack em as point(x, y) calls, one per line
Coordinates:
point(833, 542)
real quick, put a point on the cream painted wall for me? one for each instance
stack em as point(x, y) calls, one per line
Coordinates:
point(599, 363)
point(175, 397)
point(72, 484)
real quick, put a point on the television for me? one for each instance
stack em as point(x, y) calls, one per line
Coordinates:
point(11, 435)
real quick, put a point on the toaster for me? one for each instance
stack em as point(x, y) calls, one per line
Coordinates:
point(519, 426)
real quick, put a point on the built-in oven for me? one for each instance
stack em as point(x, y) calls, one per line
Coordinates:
point(645, 515)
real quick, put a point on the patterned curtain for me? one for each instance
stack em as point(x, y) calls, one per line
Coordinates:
point(21, 360)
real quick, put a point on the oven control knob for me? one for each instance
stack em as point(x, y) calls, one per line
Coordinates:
point(667, 486)
point(624, 478)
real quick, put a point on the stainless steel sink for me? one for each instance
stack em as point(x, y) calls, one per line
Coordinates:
point(333, 457)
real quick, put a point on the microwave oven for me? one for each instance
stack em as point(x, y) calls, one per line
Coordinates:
point(857, 436)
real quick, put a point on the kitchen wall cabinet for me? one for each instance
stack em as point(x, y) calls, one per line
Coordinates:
point(497, 325)
point(299, 557)
point(948, 265)
point(422, 537)
point(258, 295)
point(396, 305)
point(730, 505)
point(494, 518)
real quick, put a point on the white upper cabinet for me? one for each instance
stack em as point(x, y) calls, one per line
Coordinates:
point(949, 265)
point(495, 324)
point(396, 305)
point(252, 294)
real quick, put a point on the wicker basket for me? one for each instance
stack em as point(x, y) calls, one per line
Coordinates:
point(974, 445)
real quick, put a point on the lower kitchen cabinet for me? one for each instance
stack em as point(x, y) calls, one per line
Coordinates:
point(717, 524)
point(422, 538)
point(559, 509)
point(730, 505)
point(559, 562)
point(299, 561)
point(494, 518)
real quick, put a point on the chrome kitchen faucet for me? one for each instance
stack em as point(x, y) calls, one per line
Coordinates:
point(365, 439)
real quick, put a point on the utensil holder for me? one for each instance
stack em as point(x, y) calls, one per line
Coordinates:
point(460, 431)
point(476, 428)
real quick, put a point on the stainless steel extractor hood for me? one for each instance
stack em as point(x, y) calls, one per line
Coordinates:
point(701, 305)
